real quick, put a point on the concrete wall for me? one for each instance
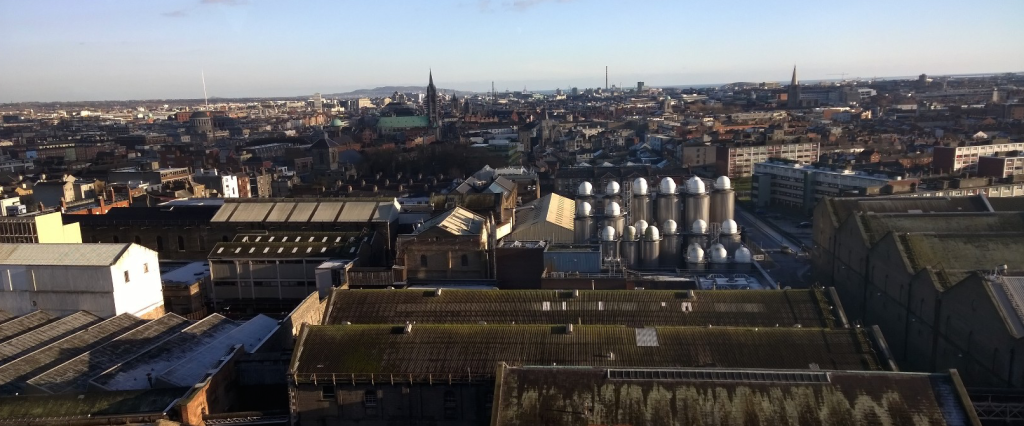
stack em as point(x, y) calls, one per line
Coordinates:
point(437, 404)
point(143, 292)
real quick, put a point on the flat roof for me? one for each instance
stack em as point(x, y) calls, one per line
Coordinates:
point(282, 210)
point(187, 274)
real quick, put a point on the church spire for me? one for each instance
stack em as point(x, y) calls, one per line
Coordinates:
point(794, 82)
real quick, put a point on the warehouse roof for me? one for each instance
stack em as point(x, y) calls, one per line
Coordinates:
point(14, 374)
point(959, 254)
point(41, 336)
point(475, 349)
point(741, 308)
point(457, 221)
point(557, 396)
point(551, 208)
point(877, 225)
point(61, 254)
point(75, 374)
point(20, 325)
point(282, 210)
point(131, 374)
point(290, 245)
point(65, 408)
point(4, 316)
point(844, 207)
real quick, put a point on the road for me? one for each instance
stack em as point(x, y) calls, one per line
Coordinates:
point(790, 269)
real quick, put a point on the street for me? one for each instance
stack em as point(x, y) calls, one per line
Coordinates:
point(790, 269)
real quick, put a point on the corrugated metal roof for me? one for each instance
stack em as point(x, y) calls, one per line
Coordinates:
point(476, 349)
point(190, 370)
point(457, 221)
point(62, 254)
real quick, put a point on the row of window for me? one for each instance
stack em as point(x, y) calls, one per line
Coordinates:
point(424, 263)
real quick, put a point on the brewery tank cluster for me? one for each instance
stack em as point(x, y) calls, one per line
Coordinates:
point(672, 227)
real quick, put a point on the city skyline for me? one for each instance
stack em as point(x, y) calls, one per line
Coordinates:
point(66, 51)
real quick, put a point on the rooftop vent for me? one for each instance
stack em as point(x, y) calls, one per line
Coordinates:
point(568, 328)
point(407, 329)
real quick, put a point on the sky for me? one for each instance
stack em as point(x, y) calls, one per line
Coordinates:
point(73, 50)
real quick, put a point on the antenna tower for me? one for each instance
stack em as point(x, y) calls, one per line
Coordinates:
point(205, 98)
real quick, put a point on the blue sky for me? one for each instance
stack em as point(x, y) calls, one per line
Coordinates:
point(142, 49)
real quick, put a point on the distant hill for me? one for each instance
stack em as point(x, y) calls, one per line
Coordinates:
point(388, 90)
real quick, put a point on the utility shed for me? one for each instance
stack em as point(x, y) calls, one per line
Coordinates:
point(549, 218)
point(556, 396)
point(735, 308)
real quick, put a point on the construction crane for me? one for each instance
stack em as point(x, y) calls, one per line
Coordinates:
point(842, 75)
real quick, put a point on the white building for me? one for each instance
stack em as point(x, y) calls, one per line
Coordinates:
point(104, 279)
point(225, 185)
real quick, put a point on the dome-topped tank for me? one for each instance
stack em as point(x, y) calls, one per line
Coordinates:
point(695, 185)
point(641, 226)
point(667, 186)
point(718, 253)
point(586, 188)
point(694, 254)
point(729, 227)
point(723, 183)
point(630, 234)
point(608, 234)
point(584, 209)
point(652, 234)
point(612, 209)
point(612, 188)
point(699, 227)
point(640, 186)
point(743, 255)
point(670, 227)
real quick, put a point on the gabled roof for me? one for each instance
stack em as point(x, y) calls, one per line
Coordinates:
point(457, 221)
point(551, 208)
point(461, 350)
point(62, 254)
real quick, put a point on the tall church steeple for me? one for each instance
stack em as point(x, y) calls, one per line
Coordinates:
point(433, 108)
point(793, 97)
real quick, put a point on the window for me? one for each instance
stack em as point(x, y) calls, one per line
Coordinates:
point(138, 240)
point(370, 398)
point(181, 243)
point(116, 239)
point(465, 260)
point(126, 279)
point(159, 243)
point(423, 261)
point(327, 392)
point(145, 268)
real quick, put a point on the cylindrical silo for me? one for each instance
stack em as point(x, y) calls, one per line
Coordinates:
point(698, 204)
point(584, 226)
point(585, 193)
point(730, 235)
point(613, 217)
point(670, 245)
point(719, 258)
point(668, 201)
point(743, 259)
point(723, 201)
point(651, 248)
point(640, 205)
point(609, 243)
point(630, 247)
point(698, 234)
point(694, 257)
